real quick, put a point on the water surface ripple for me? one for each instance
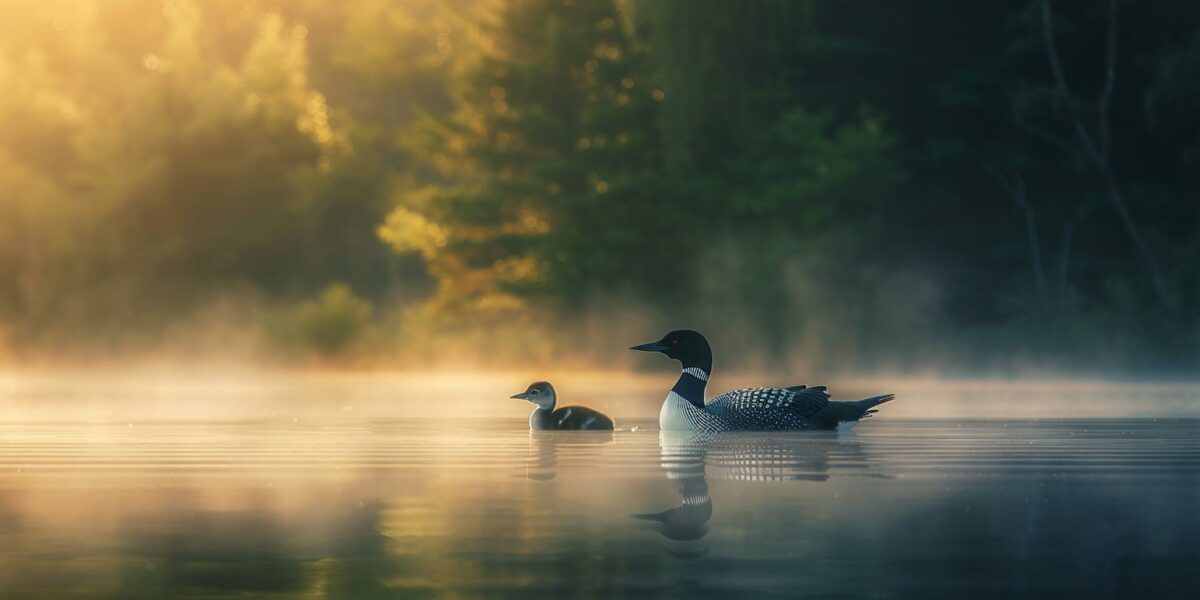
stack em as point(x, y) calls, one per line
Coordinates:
point(1079, 508)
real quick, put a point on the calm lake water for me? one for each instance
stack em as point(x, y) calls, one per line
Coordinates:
point(899, 508)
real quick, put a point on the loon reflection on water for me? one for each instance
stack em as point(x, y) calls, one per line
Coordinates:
point(689, 459)
point(684, 464)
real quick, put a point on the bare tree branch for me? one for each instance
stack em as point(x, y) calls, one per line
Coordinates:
point(1045, 135)
point(1051, 50)
point(1101, 156)
point(1064, 262)
point(1110, 80)
point(1060, 79)
point(1016, 189)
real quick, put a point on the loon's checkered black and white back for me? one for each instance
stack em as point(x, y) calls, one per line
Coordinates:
point(765, 409)
point(776, 409)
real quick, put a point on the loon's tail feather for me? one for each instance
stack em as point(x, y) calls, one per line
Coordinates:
point(868, 405)
point(876, 400)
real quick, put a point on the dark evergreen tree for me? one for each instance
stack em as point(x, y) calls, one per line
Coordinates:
point(550, 174)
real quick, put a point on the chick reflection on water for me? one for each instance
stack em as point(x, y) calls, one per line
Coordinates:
point(544, 447)
point(690, 459)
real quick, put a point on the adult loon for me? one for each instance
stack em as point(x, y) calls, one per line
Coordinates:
point(755, 409)
point(544, 416)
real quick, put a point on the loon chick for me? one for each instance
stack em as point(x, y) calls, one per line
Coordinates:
point(755, 409)
point(544, 416)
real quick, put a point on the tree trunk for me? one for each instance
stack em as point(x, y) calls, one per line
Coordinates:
point(1016, 189)
point(1064, 265)
point(1099, 155)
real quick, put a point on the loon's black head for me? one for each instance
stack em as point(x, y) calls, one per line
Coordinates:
point(683, 345)
point(540, 393)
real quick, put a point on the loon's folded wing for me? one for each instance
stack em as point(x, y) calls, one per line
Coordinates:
point(808, 400)
point(804, 400)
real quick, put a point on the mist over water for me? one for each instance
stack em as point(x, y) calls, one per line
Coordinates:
point(207, 394)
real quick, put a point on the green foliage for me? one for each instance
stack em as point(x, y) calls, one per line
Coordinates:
point(812, 173)
point(810, 166)
point(555, 184)
point(549, 179)
point(329, 325)
point(725, 68)
point(143, 175)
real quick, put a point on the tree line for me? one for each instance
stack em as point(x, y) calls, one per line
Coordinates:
point(855, 182)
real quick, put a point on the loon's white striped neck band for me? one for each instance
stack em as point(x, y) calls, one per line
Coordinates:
point(696, 372)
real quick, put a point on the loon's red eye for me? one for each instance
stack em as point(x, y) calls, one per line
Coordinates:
point(674, 342)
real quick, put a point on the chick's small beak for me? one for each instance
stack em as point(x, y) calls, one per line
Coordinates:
point(650, 347)
point(521, 396)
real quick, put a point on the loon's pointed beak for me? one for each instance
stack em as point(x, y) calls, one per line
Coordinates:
point(658, 346)
point(660, 517)
point(521, 396)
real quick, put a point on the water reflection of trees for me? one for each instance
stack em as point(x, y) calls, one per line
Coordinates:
point(334, 547)
point(1093, 518)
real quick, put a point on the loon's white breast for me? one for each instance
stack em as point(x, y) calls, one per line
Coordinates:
point(678, 414)
point(673, 416)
